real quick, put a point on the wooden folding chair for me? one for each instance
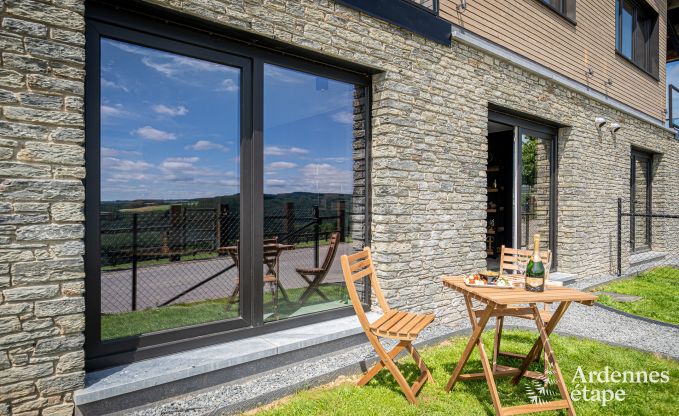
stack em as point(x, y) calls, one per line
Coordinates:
point(401, 326)
point(314, 276)
point(509, 258)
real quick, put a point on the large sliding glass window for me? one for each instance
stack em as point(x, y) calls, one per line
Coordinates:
point(224, 183)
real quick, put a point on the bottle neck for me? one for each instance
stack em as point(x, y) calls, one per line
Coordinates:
point(536, 248)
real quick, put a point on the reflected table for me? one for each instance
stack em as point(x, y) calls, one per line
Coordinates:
point(271, 253)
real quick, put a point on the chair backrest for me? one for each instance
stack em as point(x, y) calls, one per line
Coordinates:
point(509, 258)
point(356, 267)
point(332, 250)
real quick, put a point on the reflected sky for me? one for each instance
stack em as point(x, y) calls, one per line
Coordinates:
point(170, 127)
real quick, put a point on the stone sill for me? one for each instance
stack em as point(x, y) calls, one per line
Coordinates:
point(116, 381)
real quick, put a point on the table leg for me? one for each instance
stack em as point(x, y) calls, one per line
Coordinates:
point(473, 341)
point(549, 354)
point(537, 346)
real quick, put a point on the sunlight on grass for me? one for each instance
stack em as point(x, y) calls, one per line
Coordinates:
point(382, 396)
point(659, 290)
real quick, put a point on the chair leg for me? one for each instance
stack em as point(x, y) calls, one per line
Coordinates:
point(233, 295)
point(313, 287)
point(499, 322)
point(387, 360)
point(380, 365)
point(420, 362)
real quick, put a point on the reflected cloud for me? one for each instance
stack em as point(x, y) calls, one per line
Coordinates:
point(205, 145)
point(150, 133)
point(229, 85)
point(170, 111)
point(343, 117)
point(282, 151)
point(282, 165)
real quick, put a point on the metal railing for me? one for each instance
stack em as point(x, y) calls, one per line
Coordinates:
point(656, 242)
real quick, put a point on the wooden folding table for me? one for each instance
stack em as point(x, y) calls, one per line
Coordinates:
point(511, 302)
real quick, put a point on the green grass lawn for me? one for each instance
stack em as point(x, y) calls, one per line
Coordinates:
point(382, 396)
point(175, 316)
point(659, 289)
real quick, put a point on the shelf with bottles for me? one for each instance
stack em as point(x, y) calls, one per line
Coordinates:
point(492, 208)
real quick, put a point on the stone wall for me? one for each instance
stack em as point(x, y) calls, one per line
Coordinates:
point(41, 206)
point(429, 151)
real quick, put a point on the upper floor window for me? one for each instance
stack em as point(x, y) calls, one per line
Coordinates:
point(432, 5)
point(566, 8)
point(637, 34)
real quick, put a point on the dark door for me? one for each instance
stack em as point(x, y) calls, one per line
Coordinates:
point(640, 201)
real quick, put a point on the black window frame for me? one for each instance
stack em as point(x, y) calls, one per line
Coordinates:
point(155, 27)
point(567, 9)
point(645, 33)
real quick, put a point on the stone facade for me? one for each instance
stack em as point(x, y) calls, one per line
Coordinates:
point(428, 169)
point(41, 206)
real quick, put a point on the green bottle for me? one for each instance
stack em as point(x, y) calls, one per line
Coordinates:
point(535, 271)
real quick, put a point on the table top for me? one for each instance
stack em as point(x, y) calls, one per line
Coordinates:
point(517, 295)
point(267, 247)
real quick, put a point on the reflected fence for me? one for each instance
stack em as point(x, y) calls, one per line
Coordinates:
point(153, 259)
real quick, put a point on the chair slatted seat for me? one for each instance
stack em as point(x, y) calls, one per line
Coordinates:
point(393, 324)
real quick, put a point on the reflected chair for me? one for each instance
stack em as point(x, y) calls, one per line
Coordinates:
point(314, 276)
point(401, 326)
point(509, 259)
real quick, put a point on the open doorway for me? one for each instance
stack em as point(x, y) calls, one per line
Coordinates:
point(521, 186)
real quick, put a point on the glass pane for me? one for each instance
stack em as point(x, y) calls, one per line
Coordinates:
point(313, 166)
point(535, 191)
point(640, 202)
point(557, 4)
point(169, 189)
point(429, 4)
point(626, 29)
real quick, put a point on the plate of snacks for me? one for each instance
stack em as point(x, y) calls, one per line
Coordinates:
point(481, 280)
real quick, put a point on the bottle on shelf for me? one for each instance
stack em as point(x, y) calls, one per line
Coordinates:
point(535, 270)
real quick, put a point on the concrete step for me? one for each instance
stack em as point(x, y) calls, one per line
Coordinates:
point(565, 278)
point(645, 257)
point(117, 390)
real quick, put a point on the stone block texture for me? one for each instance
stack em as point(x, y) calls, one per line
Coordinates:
point(428, 147)
point(41, 203)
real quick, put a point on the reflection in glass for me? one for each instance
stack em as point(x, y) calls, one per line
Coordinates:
point(170, 192)
point(641, 204)
point(535, 191)
point(313, 167)
point(625, 27)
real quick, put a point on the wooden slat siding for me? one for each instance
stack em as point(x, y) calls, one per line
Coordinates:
point(532, 30)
